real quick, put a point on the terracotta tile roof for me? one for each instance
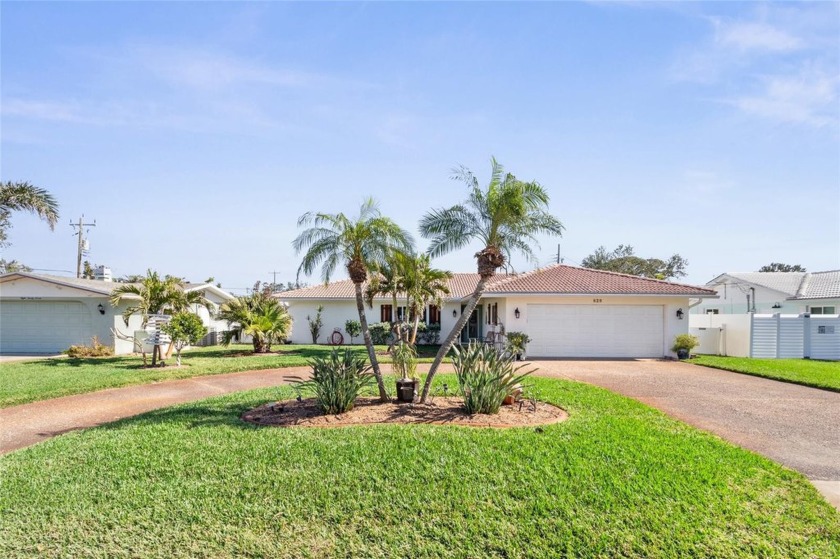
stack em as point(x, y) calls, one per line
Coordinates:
point(571, 280)
point(460, 286)
point(559, 278)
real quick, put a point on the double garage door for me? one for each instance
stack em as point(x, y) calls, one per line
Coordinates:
point(42, 326)
point(595, 331)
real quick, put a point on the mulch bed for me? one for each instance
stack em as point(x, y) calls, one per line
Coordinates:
point(441, 411)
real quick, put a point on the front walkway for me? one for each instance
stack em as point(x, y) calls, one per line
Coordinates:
point(794, 425)
point(27, 424)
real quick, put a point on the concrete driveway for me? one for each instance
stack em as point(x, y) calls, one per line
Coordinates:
point(794, 425)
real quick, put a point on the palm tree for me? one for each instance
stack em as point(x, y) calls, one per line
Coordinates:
point(257, 315)
point(23, 196)
point(505, 217)
point(153, 295)
point(423, 285)
point(360, 245)
point(386, 280)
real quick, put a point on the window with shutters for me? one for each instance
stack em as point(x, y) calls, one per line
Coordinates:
point(385, 313)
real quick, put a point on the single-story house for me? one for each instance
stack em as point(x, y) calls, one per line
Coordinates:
point(41, 314)
point(774, 292)
point(567, 311)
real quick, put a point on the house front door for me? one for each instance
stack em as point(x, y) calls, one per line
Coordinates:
point(472, 331)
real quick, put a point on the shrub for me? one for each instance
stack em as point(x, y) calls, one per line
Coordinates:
point(315, 325)
point(485, 377)
point(353, 328)
point(380, 332)
point(96, 349)
point(686, 342)
point(337, 380)
point(404, 360)
point(428, 334)
point(516, 341)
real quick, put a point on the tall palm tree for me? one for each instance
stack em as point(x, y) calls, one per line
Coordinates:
point(23, 196)
point(153, 295)
point(360, 245)
point(504, 217)
point(423, 285)
point(258, 315)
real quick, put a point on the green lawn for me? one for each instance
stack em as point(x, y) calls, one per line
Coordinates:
point(618, 479)
point(821, 374)
point(29, 381)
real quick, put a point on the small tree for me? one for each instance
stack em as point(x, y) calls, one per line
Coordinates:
point(353, 328)
point(185, 329)
point(315, 325)
point(779, 267)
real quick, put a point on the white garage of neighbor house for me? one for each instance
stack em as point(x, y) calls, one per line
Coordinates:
point(41, 314)
point(567, 311)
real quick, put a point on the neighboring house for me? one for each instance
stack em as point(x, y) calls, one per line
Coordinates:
point(774, 292)
point(48, 314)
point(566, 311)
point(755, 307)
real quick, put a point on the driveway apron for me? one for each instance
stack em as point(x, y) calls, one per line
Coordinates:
point(794, 425)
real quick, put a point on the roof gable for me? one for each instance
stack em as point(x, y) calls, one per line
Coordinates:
point(783, 282)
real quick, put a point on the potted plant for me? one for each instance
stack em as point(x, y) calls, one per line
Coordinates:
point(683, 344)
point(405, 367)
point(515, 344)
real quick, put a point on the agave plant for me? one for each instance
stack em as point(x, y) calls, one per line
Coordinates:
point(486, 377)
point(337, 380)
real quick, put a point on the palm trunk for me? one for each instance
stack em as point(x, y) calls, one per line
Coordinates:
point(453, 335)
point(360, 306)
point(414, 329)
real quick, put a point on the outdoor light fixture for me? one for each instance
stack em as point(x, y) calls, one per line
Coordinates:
point(101, 308)
point(679, 314)
point(516, 312)
point(454, 313)
point(777, 306)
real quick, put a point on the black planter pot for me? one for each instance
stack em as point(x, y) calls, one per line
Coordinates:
point(406, 389)
point(682, 354)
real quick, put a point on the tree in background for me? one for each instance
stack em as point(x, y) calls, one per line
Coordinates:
point(353, 329)
point(504, 217)
point(359, 244)
point(624, 261)
point(9, 266)
point(779, 267)
point(185, 329)
point(22, 196)
point(257, 315)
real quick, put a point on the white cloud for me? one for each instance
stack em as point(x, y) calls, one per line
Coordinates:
point(42, 110)
point(755, 36)
point(809, 97)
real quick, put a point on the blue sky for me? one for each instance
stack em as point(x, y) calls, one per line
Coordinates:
point(196, 134)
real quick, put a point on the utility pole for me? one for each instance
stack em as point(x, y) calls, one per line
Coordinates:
point(81, 245)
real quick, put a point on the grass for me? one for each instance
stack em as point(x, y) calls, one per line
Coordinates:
point(30, 381)
point(819, 374)
point(618, 479)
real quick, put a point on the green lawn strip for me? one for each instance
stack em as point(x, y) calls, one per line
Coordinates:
point(618, 479)
point(30, 381)
point(819, 374)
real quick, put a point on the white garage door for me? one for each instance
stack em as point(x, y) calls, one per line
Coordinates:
point(43, 327)
point(595, 330)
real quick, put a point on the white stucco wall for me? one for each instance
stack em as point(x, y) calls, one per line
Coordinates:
point(732, 300)
point(337, 313)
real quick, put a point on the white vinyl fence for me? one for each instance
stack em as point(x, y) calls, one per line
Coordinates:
point(773, 336)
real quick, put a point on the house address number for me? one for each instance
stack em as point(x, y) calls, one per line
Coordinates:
point(597, 300)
